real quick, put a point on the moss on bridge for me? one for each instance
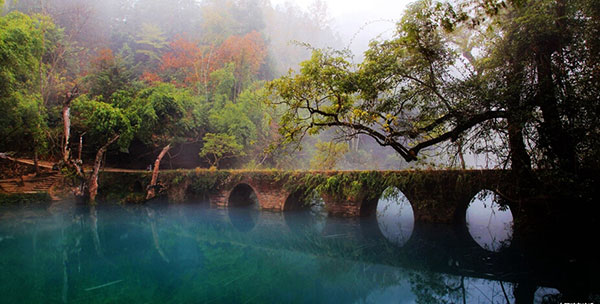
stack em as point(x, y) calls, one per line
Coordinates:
point(436, 195)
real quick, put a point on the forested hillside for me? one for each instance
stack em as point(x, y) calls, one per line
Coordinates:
point(184, 74)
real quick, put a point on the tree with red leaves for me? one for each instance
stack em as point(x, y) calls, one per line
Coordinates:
point(248, 53)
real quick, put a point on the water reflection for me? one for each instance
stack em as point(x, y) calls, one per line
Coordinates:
point(308, 213)
point(489, 223)
point(395, 216)
point(545, 295)
point(190, 253)
point(243, 219)
point(243, 208)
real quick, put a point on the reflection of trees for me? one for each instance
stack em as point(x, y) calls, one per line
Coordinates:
point(224, 265)
point(94, 228)
point(437, 288)
point(156, 240)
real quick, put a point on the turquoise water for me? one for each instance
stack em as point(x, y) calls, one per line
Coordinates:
point(190, 253)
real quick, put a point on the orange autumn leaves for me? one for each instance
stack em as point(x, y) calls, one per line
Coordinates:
point(103, 60)
point(246, 52)
point(190, 64)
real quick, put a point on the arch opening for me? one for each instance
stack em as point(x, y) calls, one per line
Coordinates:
point(395, 216)
point(243, 196)
point(243, 211)
point(489, 221)
point(296, 202)
point(305, 212)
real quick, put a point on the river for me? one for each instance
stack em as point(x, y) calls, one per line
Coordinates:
point(192, 253)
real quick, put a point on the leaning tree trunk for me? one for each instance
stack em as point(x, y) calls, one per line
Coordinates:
point(151, 188)
point(93, 181)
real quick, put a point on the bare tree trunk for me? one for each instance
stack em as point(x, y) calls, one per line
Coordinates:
point(461, 156)
point(93, 181)
point(80, 146)
point(519, 158)
point(151, 190)
point(66, 130)
point(520, 161)
point(66, 112)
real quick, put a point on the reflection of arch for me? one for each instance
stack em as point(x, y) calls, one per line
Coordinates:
point(304, 212)
point(489, 220)
point(242, 195)
point(394, 215)
point(243, 219)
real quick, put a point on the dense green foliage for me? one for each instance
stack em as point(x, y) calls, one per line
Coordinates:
point(218, 147)
point(103, 121)
point(22, 123)
point(167, 73)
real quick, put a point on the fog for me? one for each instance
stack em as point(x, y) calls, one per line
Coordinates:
point(358, 22)
point(184, 42)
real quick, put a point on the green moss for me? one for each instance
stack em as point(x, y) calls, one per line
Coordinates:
point(203, 182)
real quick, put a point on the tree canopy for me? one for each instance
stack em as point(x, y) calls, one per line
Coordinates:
point(23, 121)
point(511, 78)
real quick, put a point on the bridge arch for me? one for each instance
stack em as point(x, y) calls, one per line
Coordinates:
point(243, 195)
point(295, 201)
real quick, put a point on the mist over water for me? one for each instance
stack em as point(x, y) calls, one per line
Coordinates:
point(191, 252)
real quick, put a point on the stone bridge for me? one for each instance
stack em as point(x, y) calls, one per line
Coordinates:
point(437, 196)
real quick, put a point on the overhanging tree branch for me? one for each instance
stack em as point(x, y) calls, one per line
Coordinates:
point(461, 127)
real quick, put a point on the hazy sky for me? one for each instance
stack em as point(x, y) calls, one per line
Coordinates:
point(340, 8)
point(350, 15)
